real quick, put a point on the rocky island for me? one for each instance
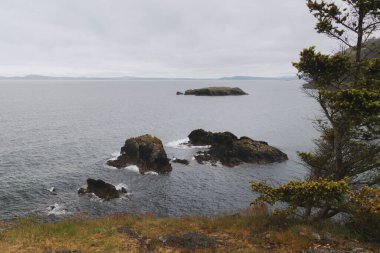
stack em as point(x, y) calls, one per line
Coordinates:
point(232, 151)
point(146, 152)
point(216, 91)
point(102, 189)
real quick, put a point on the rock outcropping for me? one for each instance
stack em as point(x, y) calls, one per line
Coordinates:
point(181, 161)
point(146, 152)
point(216, 91)
point(101, 189)
point(231, 150)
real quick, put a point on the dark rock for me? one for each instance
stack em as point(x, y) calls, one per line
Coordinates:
point(204, 157)
point(145, 244)
point(190, 240)
point(179, 93)
point(182, 161)
point(231, 151)
point(82, 191)
point(201, 137)
point(101, 189)
point(146, 152)
point(216, 91)
point(128, 231)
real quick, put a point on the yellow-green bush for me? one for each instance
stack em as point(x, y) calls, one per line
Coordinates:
point(320, 198)
point(364, 212)
point(324, 198)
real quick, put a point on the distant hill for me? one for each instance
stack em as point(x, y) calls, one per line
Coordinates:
point(370, 50)
point(259, 78)
point(41, 77)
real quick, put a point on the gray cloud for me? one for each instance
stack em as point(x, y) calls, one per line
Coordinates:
point(198, 38)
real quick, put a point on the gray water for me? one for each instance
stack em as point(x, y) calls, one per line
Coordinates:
point(59, 133)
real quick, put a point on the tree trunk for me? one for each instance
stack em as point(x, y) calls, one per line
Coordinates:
point(359, 44)
point(338, 154)
point(323, 212)
point(307, 212)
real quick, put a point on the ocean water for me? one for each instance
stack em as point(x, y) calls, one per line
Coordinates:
point(59, 133)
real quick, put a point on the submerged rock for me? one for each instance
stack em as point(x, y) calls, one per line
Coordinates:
point(102, 189)
point(182, 161)
point(232, 151)
point(146, 152)
point(216, 91)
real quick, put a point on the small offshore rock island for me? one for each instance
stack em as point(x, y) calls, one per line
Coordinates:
point(215, 91)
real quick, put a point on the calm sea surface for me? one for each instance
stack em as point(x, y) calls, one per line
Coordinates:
point(59, 133)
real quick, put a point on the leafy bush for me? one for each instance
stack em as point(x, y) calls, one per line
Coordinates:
point(364, 212)
point(320, 198)
point(324, 198)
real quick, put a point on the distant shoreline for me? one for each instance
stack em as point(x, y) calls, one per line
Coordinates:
point(128, 78)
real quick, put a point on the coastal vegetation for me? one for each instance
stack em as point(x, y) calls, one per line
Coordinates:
point(344, 166)
point(251, 230)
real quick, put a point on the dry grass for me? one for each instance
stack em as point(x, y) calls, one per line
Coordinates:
point(240, 233)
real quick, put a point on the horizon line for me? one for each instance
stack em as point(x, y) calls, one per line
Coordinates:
point(237, 77)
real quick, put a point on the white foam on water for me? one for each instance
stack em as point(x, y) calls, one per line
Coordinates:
point(183, 144)
point(133, 168)
point(93, 198)
point(218, 164)
point(151, 173)
point(121, 185)
point(52, 190)
point(114, 156)
point(57, 210)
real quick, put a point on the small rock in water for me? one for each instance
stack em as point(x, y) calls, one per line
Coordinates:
point(101, 189)
point(82, 191)
point(182, 161)
point(52, 190)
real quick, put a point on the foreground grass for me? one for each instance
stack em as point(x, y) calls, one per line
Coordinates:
point(239, 233)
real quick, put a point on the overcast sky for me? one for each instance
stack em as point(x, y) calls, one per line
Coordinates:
point(171, 38)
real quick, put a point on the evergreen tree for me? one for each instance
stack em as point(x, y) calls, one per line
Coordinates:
point(348, 92)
